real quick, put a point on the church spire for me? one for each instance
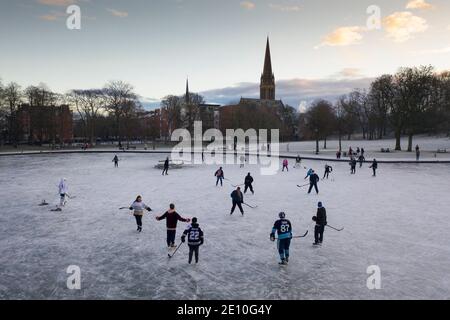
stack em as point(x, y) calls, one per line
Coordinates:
point(267, 87)
point(267, 61)
point(187, 98)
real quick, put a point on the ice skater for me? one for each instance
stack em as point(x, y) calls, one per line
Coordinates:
point(417, 153)
point(138, 206)
point(220, 176)
point(195, 239)
point(248, 183)
point(310, 172)
point(283, 228)
point(352, 165)
point(166, 167)
point(242, 159)
point(374, 167)
point(172, 218)
point(328, 170)
point(285, 165)
point(313, 180)
point(116, 161)
point(361, 160)
point(63, 190)
point(321, 221)
point(298, 162)
point(237, 199)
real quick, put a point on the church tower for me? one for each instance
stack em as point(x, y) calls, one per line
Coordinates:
point(267, 86)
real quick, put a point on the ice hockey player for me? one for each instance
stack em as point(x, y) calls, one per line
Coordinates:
point(248, 183)
point(116, 161)
point(328, 170)
point(166, 167)
point(313, 180)
point(195, 239)
point(285, 164)
point(298, 161)
point(283, 228)
point(237, 199)
point(63, 189)
point(242, 160)
point(138, 206)
point(352, 165)
point(361, 160)
point(321, 221)
point(220, 176)
point(172, 218)
point(309, 173)
point(374, 167)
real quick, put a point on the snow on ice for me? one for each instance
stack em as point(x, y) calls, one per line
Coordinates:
point(397, 221)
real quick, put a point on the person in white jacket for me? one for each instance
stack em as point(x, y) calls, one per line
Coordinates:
point(63, 190)
point(138, 206)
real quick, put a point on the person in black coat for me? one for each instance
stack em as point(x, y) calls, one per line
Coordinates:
point(361, 160)
point(166, 167)
point(248, 183)
point(328, 170)
point(238, 199)
point(353, 165)
point(313, 180)
point(321, 222)
point(116, 161)
point(374, 167)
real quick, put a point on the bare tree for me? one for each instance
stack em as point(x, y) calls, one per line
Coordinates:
point(89, 104)
point(171, 109)
point(118, 96)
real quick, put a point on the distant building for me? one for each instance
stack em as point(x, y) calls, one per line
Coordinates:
point(266, 106)
point(45, 124)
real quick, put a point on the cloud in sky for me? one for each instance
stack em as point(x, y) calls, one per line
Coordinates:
point(52, 16)
point(343, 36)
point(434, 51)
point(284, 8)
point(419, 4)
point(59, 3)
point(117, 13)
point(402, 26)
point(349, 73)
point(294, 92)
point(248, 5)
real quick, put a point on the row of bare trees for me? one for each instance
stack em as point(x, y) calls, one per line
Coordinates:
point(116, 104)
point(411, 102)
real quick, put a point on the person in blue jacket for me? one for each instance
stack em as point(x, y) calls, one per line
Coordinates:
point(283, 228)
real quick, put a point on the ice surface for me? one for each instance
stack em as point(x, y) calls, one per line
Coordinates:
point(398, 221)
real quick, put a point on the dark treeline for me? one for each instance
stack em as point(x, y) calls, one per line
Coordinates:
point(112, 113)
point(412, 101)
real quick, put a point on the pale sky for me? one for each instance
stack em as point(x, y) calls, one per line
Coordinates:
point(319, 48)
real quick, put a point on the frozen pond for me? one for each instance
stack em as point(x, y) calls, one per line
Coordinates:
point(398, 221)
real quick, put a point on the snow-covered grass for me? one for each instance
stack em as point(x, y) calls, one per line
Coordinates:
point(398, 221)
point(428, 146)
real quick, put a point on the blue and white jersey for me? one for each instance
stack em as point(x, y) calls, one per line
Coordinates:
point(284, 229)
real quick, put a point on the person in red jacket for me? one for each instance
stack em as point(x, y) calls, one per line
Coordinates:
point(172, 218)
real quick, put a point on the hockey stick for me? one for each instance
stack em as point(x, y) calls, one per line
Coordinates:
point(123, 208)
point(305, 185)
point(170, 256)
point(335, 228)
point(298, 237)
point(253, 207)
